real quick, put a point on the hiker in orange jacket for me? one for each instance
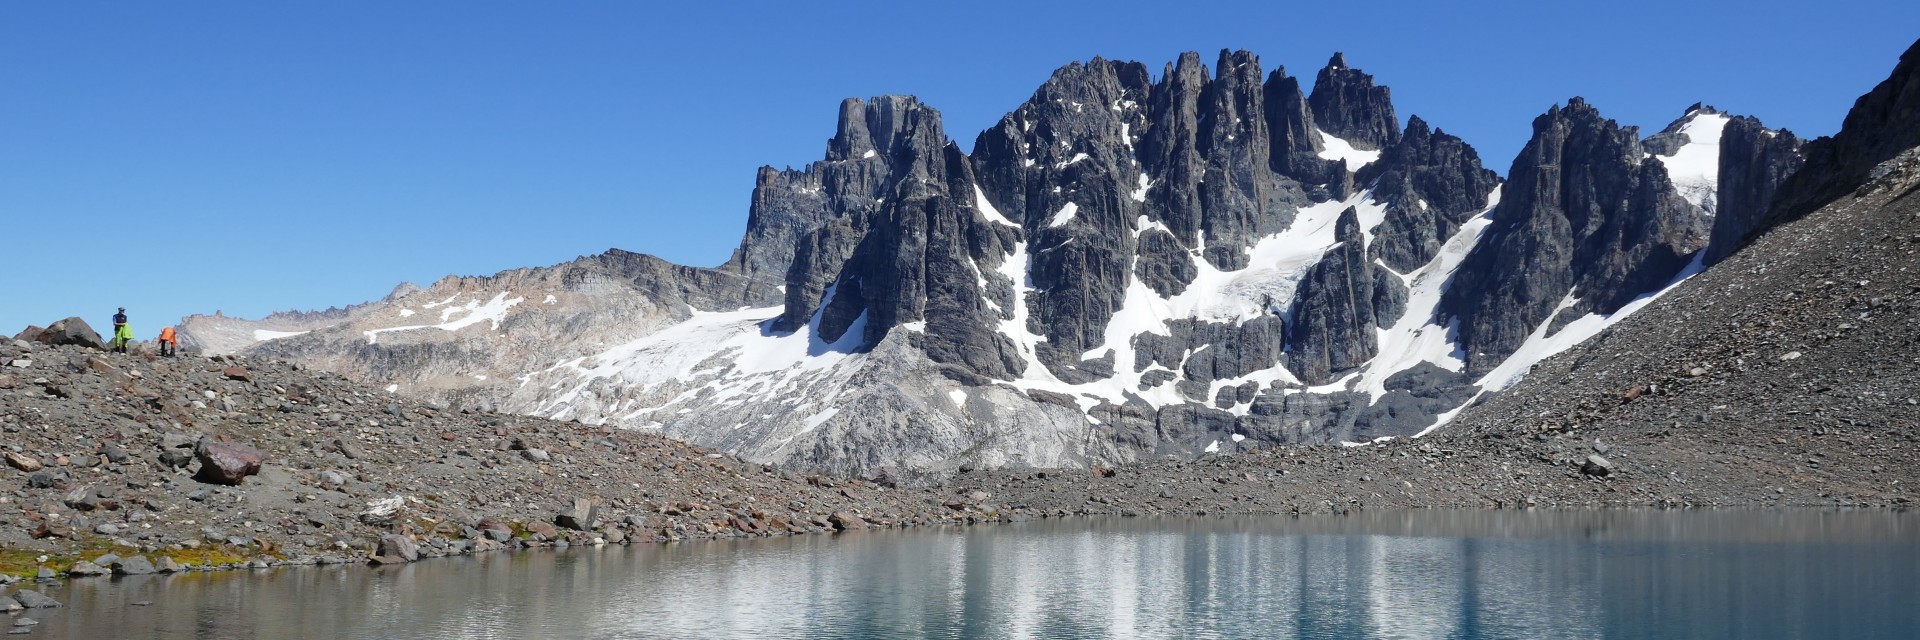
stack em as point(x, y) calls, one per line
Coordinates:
point(168, 343)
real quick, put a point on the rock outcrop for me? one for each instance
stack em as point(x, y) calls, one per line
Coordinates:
point(1754, 163)
point(1582, 214)
point(1348, 105)
point(1879, 127)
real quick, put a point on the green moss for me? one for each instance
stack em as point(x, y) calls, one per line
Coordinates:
point(26, 563)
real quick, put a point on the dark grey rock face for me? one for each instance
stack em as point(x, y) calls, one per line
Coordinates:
point(1348, 105)
point(1754, 162)
point(1430, 182)
point(1206, 351)
point(1582, 210)
point(1333, 313)
point(1882, 123)
point(1064, 167)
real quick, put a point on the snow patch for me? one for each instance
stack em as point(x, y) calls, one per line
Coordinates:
point(1338, 149)
point(1695, 166)
point(262, 335)
point(1064, 215)
point(476, 313)
point(986, 208)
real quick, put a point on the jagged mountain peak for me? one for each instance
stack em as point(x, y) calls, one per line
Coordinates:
point(1348, 105)
point(1124, 266)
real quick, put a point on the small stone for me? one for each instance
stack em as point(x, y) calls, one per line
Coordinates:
point(1166, 492)
point(23, 462)
point(1790, 355)
point(536, 455)
point(1601, 447)
point(169, 565)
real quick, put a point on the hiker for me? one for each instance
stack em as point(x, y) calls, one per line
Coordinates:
point(168, 344)
point(122, 333)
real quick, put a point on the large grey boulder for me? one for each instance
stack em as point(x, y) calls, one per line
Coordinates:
point(71, 331)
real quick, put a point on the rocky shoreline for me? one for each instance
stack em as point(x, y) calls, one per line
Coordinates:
point(116, 470)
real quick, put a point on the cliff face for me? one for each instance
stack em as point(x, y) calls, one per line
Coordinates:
point(1127, 265)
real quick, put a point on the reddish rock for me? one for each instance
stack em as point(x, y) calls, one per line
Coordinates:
point(22, 462)
point(495, 530)
point(226, 462)
point(237, 373)
point(29, 334)
point(846, 521)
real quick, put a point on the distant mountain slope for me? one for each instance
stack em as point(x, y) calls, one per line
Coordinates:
point(1126, 266)
point(1796, 359)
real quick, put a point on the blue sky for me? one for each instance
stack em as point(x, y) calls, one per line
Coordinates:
point(183, 158)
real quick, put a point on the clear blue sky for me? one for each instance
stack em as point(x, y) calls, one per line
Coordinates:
point(183, 157)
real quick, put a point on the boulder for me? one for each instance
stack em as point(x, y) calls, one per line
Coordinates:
point(226, 462)
point(35, 600)
point(169, 565)
point(399, 546)
point(846, 521)
point(237, 373)
point(71, 331)
point(81, 498)
point(176, 449)
point(580, 516)
point(84, 568)
point(1597, 466)
point(495, 530)
point(134, 566)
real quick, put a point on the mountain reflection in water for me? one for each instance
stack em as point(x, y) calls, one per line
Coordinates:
point(1423, 574)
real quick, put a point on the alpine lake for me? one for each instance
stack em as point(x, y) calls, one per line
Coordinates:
point(1400, 574)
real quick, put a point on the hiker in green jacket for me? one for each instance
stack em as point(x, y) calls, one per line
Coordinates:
point(122, 332)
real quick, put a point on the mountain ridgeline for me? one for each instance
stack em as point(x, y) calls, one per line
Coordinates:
point(1128, 265)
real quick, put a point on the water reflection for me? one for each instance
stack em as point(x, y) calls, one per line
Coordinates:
point(1399, 575)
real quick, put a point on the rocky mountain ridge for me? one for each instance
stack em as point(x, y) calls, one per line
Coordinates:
point(1124, 267)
